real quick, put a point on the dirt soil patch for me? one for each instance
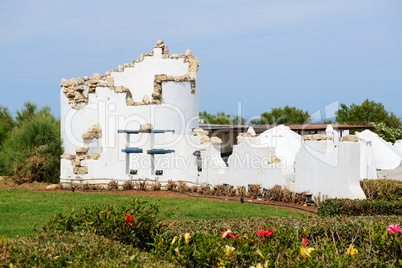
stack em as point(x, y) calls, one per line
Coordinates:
point(169, 194)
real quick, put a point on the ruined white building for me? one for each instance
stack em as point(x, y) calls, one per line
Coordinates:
point(140, 122)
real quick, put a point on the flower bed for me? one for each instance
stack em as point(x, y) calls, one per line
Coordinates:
point(259, 242)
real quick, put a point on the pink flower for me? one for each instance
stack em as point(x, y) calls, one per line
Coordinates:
point(305, 242)
point(173, 223)
point(163, 223)
point(394, 228)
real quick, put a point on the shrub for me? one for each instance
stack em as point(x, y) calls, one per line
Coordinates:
point(128, 185)
point(54, 249)
point(241, 191)
point(277, 242)
point(382, 189)
point(221, 190)
point(141, 186)
point(254, 191)
point(182, 187)
point(332, 207)
point(156, 186)
point(277, 193)
point(113, 185)
point(194, 189)
point(32, 152)
point(134, 223)
point(171, 186)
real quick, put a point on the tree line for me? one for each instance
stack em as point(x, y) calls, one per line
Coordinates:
point(386, 124)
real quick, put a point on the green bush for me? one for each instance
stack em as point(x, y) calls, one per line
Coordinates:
point(329, 238)
point(382, 189)
point(332, 207)
point(201, 243)
point(56, 249)
point(134, 223)
point(32, 152)
point(6, 123)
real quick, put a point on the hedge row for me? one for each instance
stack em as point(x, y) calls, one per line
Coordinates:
point(332, 207)
point(382, 189)
point(274, 242)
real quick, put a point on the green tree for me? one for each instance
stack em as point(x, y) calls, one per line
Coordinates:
point(221, 118)
point(366, 113)
point(286, 115)
point(29, 111)
point(32, 152)
point(6, 123)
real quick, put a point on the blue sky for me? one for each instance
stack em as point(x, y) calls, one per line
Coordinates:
point(264, 54)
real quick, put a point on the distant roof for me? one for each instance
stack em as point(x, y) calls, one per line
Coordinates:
point(296, 128)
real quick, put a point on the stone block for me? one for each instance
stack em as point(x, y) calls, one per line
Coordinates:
point(109, 81)
point(94, 129)
point(80, 170)
point(216, 140)
point(145, 99)
point(83, 149)
point(130, 102)
point(204, 139)
point(146, 127)
point(96, 76)
point(96, 155)
point(68, 156)
point(52, 187)
point(73, 82)
point(272, 159)
point(199, 132)
point(349, 138)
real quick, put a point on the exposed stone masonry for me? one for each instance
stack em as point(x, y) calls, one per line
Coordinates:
point(94, 132)
point(74, 88)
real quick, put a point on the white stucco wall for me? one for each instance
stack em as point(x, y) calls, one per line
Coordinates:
point(334, 171)
point(178, 111)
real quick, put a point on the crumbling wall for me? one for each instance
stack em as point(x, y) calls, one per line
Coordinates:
point(157, 88)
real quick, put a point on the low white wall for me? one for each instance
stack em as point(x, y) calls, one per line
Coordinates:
point(334, 171)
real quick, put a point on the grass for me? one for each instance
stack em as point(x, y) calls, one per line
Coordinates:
point(21, 209)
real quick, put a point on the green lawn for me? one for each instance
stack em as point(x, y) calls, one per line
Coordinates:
point(21, 209)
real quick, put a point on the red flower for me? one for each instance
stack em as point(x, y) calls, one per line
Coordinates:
point(305, 242)
point(261, 232)
point(265, 233)
point(173, 223)
point(129, 219)
point(264, 239)
point(228, 233)
point(268, 233)
point(106, 211)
